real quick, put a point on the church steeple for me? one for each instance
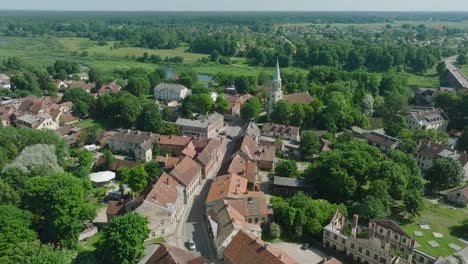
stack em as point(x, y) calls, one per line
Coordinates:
point(277, 75)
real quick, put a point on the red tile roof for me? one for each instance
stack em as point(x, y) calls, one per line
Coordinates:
point(230, 185)
point(174, 140)
point(247, 248)
point(115, 208)
point(164, 192)
point(169, 254)
point(167, 162)
point(298, 98)
point(186, 171)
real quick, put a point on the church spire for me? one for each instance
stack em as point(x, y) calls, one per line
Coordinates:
point(277, 76)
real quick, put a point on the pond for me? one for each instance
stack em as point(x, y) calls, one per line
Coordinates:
point(201, 77)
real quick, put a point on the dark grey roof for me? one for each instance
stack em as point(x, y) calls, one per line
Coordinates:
point(133, 136)
point(289, 182)
point(177, 88)
point(201, 121)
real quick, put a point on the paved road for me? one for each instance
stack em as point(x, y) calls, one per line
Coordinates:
point(193, 224)
point(310, 256)
point(450, 63)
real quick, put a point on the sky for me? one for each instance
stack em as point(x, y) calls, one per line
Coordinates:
point(239, 5)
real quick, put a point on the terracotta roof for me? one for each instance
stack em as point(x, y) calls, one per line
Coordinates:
point(115, 208)
point(230, 185)
point(169, 254)
point(330, 261)
point(240, 166)
point(67, 118)
point(265, 153)
point(390, 224)
point(298, 98)
point(82, 85)
point(109, 88)
point(200, 143)
point(189, 152)
point(247, 248)
point(251, 206)
point(281, 129)
point(167, 162)
point(186, 170)
point(429, 149)
point(246, 145)
point(206, 155)
point(174, 140)
point(237, 99)
point(165, 192)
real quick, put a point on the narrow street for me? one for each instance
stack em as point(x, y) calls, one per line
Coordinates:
point(193, 224)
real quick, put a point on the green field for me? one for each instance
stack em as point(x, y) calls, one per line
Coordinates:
point(429, 24)
point(441, 219)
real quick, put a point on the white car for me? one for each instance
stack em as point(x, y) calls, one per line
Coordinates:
point(191, 244)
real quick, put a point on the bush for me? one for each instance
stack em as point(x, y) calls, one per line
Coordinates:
point(275, 230)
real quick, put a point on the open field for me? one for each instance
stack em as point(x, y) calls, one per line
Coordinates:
point(430, 24)
point(441, 219)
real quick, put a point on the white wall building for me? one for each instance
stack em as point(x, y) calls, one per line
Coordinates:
point(171, 92)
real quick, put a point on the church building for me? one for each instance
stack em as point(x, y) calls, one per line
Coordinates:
point(276, 94)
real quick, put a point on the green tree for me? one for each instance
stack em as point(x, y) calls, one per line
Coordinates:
point(8, 194)
point(413, 203)
point(59, 203)
point(309, 144)
point(370, 208)
point(282, 112)
point(137, 178)
point(138, 85)
point(153, 169)
point(250, 109)
point(61, 75)
point(461, 59)
point(462, 143)
point(286, 168)
point(150, 118)
point(16, 227)
point(445, 173)
point(275, 230)
point(221, 104)
point(35, 252)
point(122, 239)
point(109, 157)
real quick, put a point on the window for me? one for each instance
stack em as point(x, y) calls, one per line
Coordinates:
point(368, 253)
point(256, 219)
point(403, 240)
point(153, 234)
point(335, 237)
point(250, 220)
point(352, 245)
point(360, 249)
point(376, 257)
point(342, 240)
point(161, 222)
point(396, 236)
point(380, 230)
point(382, 260)
point(162, 232)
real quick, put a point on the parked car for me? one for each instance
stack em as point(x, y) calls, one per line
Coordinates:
point(191, 244)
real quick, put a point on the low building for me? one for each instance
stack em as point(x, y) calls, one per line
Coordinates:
point(99, 179)
point(247, 148)
point(87, 87)
point(281, 131)
point(39, 121)
point(133, 142)
point(246, 247)
point(255, 210)
point(174, 145)
point(109, 88)
point(70, 134)
point(170, 92)
point(265, 157)
point(209, 157)
point(382, 141)
point(435, 119)
point(162, 206)
point(459, 196)
point(244, 168)
point(224, 222)
point(288, 187)
point(225, 187)
point(114, 209)
point(234, 105)
point(383, 242)
point(253, 131)
point(169, 254)
point(201, 127)
point(167, 163)
point(188, 173)
point(330, 261)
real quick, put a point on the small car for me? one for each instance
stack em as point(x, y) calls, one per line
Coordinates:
point(305, 246)
point(191, 244)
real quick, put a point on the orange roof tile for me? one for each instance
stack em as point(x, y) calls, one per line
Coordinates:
point(230, 185)
point(186, 170)
point(174, 140)
point(164, 192)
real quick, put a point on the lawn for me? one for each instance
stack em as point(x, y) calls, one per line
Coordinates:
point(157, 240)
point(89, 244)
point(441, 219)
point(99, 124)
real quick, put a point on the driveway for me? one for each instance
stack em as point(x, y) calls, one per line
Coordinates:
point(309, 256)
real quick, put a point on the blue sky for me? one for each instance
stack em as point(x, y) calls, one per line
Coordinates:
point(240, 5)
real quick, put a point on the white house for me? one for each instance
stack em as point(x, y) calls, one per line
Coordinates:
point(435, 119)
point(171, 92)
point(459, 196)
point(4, 81)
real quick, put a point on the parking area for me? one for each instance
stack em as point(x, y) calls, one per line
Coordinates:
point(309, 256)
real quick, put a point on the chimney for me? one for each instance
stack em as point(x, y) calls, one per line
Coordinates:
point(250, 199)
point(167, 181)
point(371, 229)
point(354, 226)
point(280, 256)
point(266, 245)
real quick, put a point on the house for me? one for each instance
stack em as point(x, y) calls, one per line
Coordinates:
point(210, 156)
point(435, 119)
point(264, 156)
point(87, 87)
point(39, 121)
point(281, 131)
point(246, 247)
point(254, 209)
point(247, 148)
point(288, 187)
point(109, 88)
point(201, 127)
point(234, 105)
point(60, 84)
point(424, 96)
point(4, 81)
point(171, 92)
point(115, 208)
point(253, 131)
point(116, 164)
point(381, 141)
point(162, 206)
point(330, 261)
point(428, 151)
point(169, 254)
point(82, 75)
point(188, 173)
point(459, 196)
point(376, 244)
point(175, 145)
point(224, 222)
point(70, 134)
point(244, 168)
point(133, 142)
point(229, 186)
point(167, 163)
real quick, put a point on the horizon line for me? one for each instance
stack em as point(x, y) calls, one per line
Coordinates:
point(264, 11)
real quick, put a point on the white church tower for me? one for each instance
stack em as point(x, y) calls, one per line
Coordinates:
point(275, 94)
